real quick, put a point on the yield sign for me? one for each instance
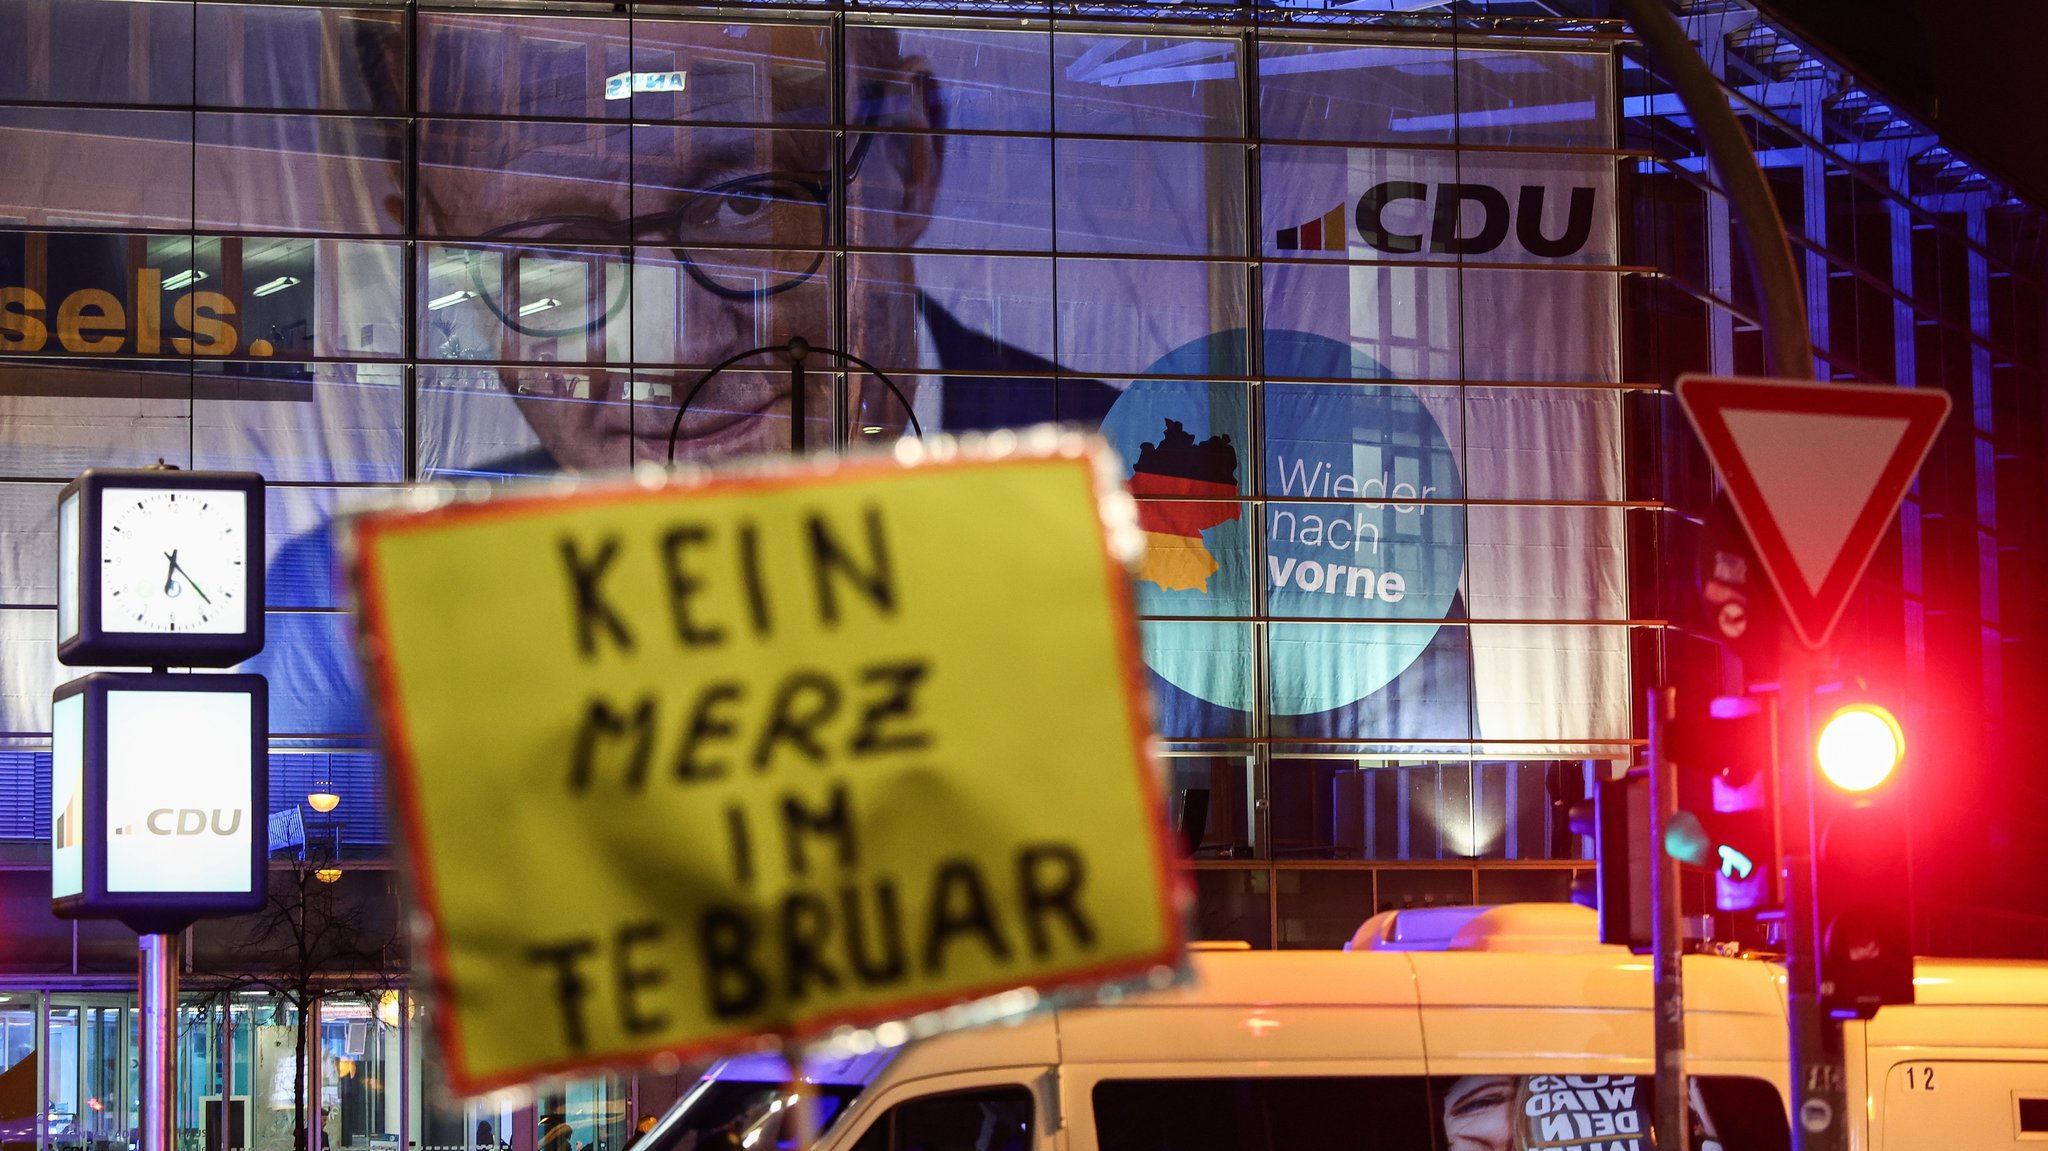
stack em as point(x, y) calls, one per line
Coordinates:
point(1815, 472)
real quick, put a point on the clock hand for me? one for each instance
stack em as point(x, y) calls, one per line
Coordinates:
point(170, 573)
point(189, 580)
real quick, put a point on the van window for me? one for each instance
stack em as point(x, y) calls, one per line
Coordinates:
point(1390, 1113)
point(731, 1114)
point(984, 1119)
point(2033, 1116)
point(1411, 1113)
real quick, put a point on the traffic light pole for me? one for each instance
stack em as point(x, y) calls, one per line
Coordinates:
point(1817, 1087)
point(1671, 1115)
point(1819, 1095)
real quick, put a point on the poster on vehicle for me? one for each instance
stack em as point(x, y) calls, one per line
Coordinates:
point(684, 763)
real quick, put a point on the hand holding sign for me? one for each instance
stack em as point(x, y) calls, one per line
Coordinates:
point(694, 763)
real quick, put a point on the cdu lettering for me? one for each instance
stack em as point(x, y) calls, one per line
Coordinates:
point(185, 821)
point(1451, 204)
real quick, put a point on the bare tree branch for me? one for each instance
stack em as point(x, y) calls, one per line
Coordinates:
point(310, 942)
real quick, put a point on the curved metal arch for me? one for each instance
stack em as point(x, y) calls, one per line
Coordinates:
point(796, 349)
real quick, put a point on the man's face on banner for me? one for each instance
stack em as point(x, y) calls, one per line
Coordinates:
point(609, 264)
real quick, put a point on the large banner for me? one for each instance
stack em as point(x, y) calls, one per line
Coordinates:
point(1363, 376)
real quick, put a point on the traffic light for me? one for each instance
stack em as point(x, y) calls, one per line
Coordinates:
point(1726, 755)
point(1859, 746)
point(1617, 818)
point(1860, 890)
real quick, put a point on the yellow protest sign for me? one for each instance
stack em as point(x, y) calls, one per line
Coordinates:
point(685, 764)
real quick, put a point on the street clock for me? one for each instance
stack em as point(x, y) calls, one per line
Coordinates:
point(160, 567)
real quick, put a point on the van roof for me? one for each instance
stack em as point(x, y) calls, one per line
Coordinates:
point(1555, 928)
point(1968, 982)
point(1607, 977)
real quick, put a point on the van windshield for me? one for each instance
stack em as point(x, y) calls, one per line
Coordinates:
point(744, 1115)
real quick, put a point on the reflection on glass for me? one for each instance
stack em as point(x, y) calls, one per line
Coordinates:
point(1200, 674)
point(1331, 681)
point(997, 195)
point(1547, 563)
point(152, 297)
point(1146, 317)
point(991, 79)
point(1551, 682)
point(295, 44)
point(1147, 85)
point(983, 313)
point(76, 165)
point(1209, 802)
point(738, 1111)
point(274, 173)
point(1348, 92)
point(1150, 197)
point(112, 52)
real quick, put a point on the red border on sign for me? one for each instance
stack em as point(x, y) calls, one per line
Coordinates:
point(1707, 399)
point(369, 529)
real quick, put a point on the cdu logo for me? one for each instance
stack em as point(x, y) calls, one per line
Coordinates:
point(1448, 201)
point(1452, 218)
point(187, 821)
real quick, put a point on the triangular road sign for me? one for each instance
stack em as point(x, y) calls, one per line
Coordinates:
point(1816, 472)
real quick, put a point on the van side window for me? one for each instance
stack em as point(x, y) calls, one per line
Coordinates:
point(984, 1119)
point(1480, 1112)
point(1255, 1114)
point(1744, 1113)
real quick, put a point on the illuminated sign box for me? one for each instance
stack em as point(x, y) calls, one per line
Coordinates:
point(158, 795)
point(623, 85)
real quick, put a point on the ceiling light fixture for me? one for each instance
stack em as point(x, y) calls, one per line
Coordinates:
point(276, 286)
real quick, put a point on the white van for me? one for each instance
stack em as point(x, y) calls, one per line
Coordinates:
point(1965, 1067)
point(1471, 1029)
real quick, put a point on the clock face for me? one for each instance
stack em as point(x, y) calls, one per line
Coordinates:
point(173, 561)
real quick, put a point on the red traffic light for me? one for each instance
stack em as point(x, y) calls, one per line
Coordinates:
point(1859, 746)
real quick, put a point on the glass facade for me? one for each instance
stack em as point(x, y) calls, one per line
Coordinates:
point(1378, 308)
point(1355, 328)
point(1918, 270)
point(70, 1078)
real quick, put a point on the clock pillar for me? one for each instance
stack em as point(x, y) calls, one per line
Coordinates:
point(157, 983)
point(160, 782)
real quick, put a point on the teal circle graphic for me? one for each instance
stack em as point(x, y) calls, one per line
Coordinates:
point(1350, 532)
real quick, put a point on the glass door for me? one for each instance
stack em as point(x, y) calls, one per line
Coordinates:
point(91, 1086)
point(215, 1046)
point(359, 1051)
point(586, 1115)
point(20, 1086)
